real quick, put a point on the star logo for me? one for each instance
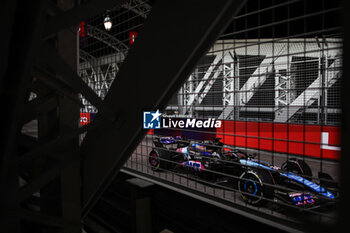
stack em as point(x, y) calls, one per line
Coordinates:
point(156, 115)
point(151, 120)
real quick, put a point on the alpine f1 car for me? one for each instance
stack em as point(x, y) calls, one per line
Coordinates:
point(256, 180)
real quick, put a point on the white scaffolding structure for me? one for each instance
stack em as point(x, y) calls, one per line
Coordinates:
point(277, 61)
point(226, 67)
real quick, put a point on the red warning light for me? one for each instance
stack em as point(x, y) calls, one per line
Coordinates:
point(82, 29)
point(84, 118)
point(132, 36)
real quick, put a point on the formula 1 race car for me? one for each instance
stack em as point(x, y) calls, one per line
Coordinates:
point(256, 180)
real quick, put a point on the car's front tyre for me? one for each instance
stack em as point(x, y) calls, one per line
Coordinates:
point(157, 160)
point(255, 186)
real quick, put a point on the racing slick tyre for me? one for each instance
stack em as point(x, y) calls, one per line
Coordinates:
point(157, 160)
point(297, 166)
point(255, 186)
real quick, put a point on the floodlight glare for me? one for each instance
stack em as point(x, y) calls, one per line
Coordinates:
point(107, 23)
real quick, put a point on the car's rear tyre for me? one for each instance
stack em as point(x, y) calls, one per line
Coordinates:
point(297, 166)
point(255, 186)
point(157, 160)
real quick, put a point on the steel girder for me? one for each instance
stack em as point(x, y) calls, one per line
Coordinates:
point(163, 65)
point(77, 14)
point(85, 56)
point(14, 83)
point(139, 7)
point(106, 38)
point(50, 162)
point(98, 34)
point(98, 79)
